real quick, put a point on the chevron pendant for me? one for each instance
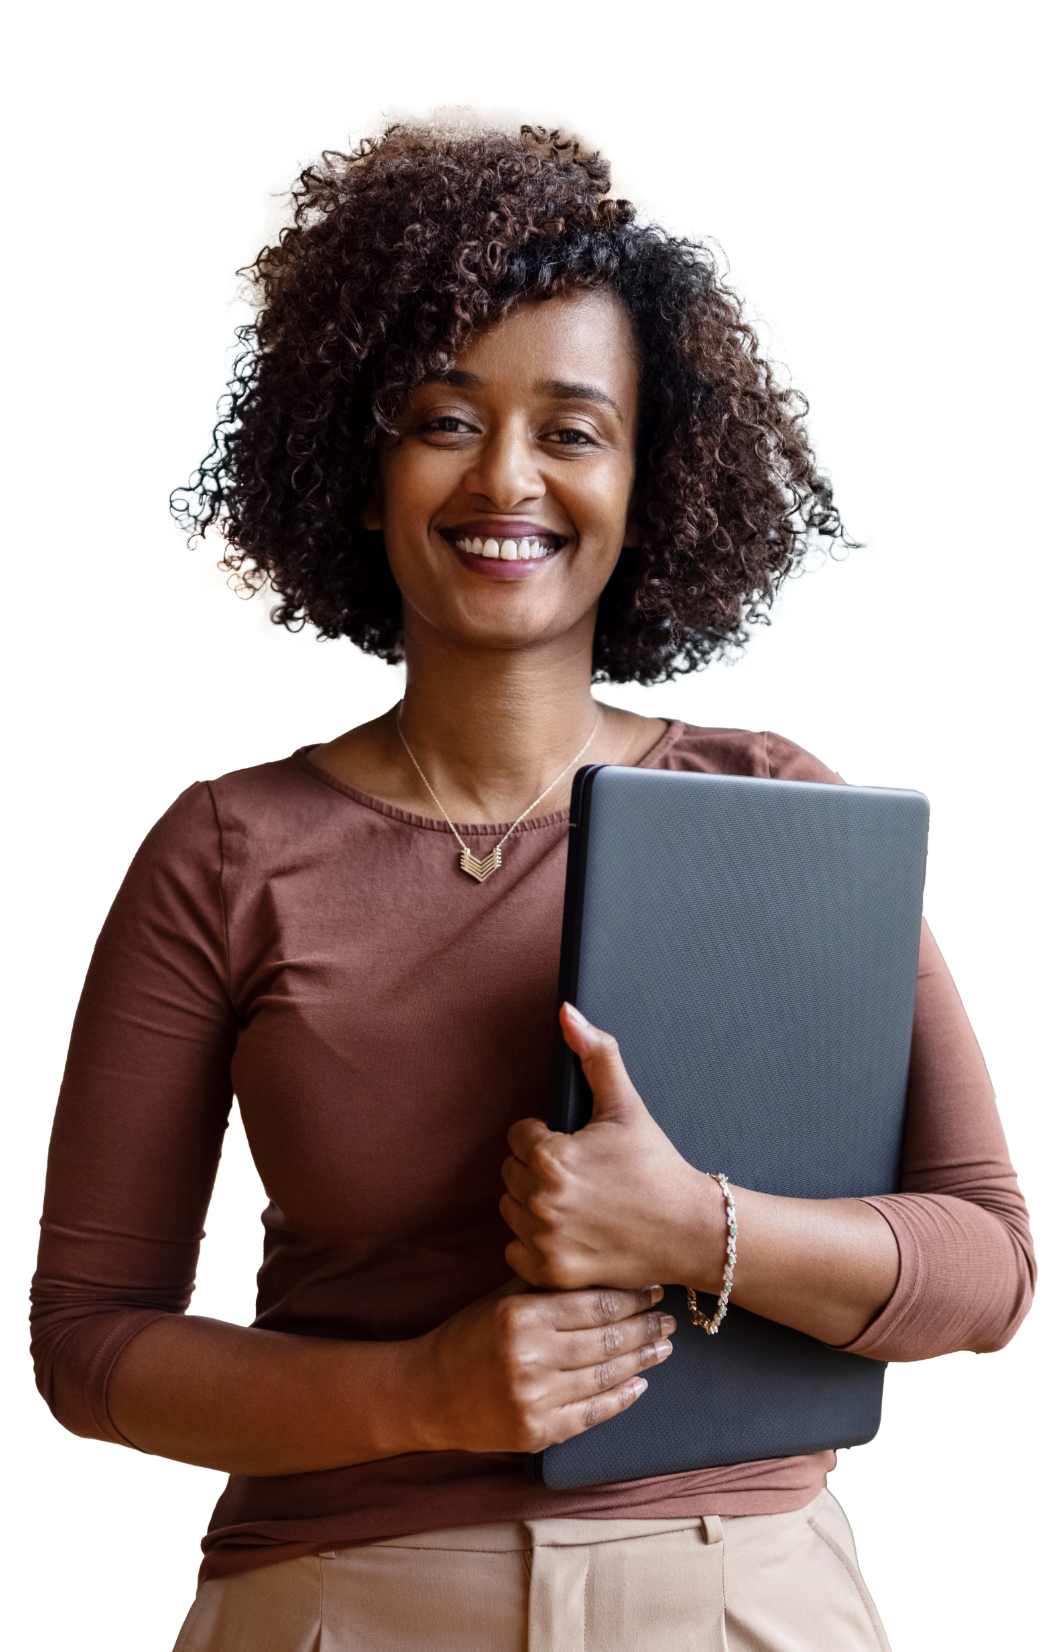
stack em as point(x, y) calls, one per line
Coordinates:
point(482, 869)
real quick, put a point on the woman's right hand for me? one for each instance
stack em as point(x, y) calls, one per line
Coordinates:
point(520, 1370)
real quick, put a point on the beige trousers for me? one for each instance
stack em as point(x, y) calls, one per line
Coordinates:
point(757, 1583)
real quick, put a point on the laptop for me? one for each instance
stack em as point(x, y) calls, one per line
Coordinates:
point(753, 946)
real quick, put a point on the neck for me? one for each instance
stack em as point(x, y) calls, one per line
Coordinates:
point(492, 728)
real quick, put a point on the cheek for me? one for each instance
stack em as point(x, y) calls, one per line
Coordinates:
point(603, 504)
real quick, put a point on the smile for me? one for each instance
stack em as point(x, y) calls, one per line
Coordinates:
point(506, 550)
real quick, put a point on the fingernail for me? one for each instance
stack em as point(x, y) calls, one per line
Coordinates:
point(639, 1385)
point(656, 1288)
point(575, 1015)
point(663, 1349)
point(668, 1324)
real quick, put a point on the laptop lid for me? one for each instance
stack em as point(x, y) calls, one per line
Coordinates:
point(753, 946)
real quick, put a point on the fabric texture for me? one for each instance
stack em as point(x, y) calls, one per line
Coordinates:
point(756, 1583)
point(384, 1020)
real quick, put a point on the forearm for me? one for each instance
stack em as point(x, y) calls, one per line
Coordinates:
point(263, 1403)
point(822, 1266)
point(616, 1204)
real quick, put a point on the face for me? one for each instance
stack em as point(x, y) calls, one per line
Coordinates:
point(504, 497)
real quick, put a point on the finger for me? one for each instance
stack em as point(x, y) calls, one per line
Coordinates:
point(518, 1179)
point(518, 1218)
point(614, 1097)
point(612, 1373)
point(580, 1415)
point(583, 1038)
point(526, 1261)
point(583, 1310)
point(522, 1253)
point(525, 1135)
point(589, 1350)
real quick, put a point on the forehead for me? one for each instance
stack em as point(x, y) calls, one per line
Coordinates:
point(582, 336)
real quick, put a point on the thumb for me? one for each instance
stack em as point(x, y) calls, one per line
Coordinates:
point(615, 1101)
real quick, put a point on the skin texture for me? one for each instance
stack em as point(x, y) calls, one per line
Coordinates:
point(497, 695)
point(498, 699)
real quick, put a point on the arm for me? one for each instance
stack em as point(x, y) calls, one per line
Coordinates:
point(513, 1372)
point(257, 1402)
point(955, 1270)
point(968, 1269)
point(134, 1151)
point(617, 1202)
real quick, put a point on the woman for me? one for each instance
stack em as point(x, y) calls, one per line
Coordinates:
point(488, 424)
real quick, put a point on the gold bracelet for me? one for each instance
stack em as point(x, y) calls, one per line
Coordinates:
point(713, 1326)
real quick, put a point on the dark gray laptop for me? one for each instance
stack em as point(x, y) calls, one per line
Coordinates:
point(753, 946)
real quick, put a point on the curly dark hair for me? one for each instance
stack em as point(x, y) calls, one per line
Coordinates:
point(397, 255)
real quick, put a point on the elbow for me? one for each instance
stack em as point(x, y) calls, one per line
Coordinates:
point(68, 1408)
point(65, 1396)
point(993, 1342)
point(1006, 1320)
point(73, 1355)
point(990, 1345)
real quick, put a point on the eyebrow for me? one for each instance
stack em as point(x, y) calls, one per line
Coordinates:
point(559, 389)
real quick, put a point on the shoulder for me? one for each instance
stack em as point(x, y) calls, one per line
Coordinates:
point(269, 800)
point(217, 840)
point(762, 754)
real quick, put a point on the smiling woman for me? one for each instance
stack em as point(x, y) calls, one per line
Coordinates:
point(400, 256)
point(488, 424)
point(543, 408)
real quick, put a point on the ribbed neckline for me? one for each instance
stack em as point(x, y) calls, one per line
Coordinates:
point(558, 817)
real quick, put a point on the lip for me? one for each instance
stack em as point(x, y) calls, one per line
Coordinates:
point(503, 527)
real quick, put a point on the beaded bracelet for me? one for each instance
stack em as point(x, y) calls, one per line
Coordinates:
point(713, 1326)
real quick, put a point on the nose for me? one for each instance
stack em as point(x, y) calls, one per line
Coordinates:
point(506, 470)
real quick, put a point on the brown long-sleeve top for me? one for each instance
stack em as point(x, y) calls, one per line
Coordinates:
point(384, 1021)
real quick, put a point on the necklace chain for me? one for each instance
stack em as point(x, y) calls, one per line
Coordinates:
point(495, 852)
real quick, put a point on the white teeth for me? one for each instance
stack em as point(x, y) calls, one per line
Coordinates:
point(511, 550)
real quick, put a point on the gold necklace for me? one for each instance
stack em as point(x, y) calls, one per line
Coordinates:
point(482, 869)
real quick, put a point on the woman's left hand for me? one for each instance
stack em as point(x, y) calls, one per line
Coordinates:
point(614, 1203)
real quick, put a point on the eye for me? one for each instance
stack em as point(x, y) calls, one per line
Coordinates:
point(447, 424)
point(571, 438)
